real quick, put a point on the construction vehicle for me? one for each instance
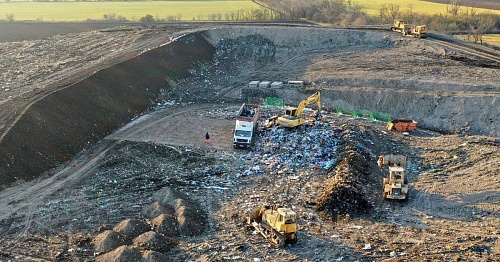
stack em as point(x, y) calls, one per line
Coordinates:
point(395, 184)
point(246, 125)
point(404, 125)
point(293, 115)
point(271, 121)
point(407, 29)
point(277, 224)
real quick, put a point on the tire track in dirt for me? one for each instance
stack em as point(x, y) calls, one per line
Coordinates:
point(491, 56)
point(30, 194)
point(14, 108)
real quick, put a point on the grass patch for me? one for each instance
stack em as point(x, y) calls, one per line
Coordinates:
point(491, 39)
point(364, 114)
point(81, 11)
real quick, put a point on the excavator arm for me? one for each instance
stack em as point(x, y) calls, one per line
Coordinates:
point(316, 97)
point(293, 116)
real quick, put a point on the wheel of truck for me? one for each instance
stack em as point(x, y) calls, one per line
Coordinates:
point(293, 239)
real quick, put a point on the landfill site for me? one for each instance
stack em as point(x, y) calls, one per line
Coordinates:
point(324, 144)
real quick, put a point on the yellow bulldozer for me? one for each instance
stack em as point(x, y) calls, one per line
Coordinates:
point(401, 26)
point(293, 115)
point(396, 183)
point(277, 224)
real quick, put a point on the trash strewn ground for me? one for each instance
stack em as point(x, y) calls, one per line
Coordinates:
point(155, 190)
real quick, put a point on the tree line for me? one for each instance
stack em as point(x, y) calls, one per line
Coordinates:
point(458, 18)
point(343, 12)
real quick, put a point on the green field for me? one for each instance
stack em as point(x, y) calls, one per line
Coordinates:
point(423, 7)
point(492, 39)
point(185, 10)
point(79, 11)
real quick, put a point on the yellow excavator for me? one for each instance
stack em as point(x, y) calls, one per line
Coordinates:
point(293, 115)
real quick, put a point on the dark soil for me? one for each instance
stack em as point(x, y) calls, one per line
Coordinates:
point(54, 129)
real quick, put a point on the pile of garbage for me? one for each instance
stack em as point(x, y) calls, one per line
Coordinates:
point(349, 184)
point(282, 150)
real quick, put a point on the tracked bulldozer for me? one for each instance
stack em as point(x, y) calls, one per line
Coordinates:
point(277, 224)
point(419, 31)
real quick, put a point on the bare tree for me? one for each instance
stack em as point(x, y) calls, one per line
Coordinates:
point(393, 10)
point(383, 13)
point(454, 7)
point(10, 17)
point(480, 25)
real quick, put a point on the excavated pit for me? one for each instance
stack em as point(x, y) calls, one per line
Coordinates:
point(344, 64)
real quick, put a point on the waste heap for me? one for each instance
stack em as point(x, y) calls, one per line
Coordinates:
point(349, 184)
point(284, 150)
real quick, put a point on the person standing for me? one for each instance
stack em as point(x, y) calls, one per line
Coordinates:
point(207, 138)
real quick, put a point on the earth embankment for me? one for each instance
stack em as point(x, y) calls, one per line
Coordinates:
point(57, 127)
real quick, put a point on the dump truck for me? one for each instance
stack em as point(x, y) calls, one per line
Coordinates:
point(277, 224)
point(246, 125)
point(401, 26)
point(293, 115)
point(395, 183)
point(404, 125)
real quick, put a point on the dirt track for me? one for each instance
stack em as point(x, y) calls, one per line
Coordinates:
point(452, 213)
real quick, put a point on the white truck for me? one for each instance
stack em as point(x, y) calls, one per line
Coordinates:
point(246, 125)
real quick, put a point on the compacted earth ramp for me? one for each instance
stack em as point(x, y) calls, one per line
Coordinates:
point(61, 124)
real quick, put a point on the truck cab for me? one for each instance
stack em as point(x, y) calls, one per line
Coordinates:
point(246, 125)
point(243, 133)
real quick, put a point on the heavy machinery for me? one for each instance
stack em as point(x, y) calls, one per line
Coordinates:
point(407, 29)
point(246, 125)
point(293, 115)
point(395, 184)
point(277, 224)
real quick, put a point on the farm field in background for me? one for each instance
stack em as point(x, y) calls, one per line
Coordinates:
point(372, 6)
point(492, 39)
point(180, 10)
point(80, 11)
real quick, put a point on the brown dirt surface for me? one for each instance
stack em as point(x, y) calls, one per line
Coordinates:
point(158, 168)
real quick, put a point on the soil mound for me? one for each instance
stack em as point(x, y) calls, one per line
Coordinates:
point(109, 240)
point(155, 209)
point(132, 227)
point(153, 241)
point(347, 190)
point(190, 216)
point(166, 225)
point(121, 254)
point(153, 256)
